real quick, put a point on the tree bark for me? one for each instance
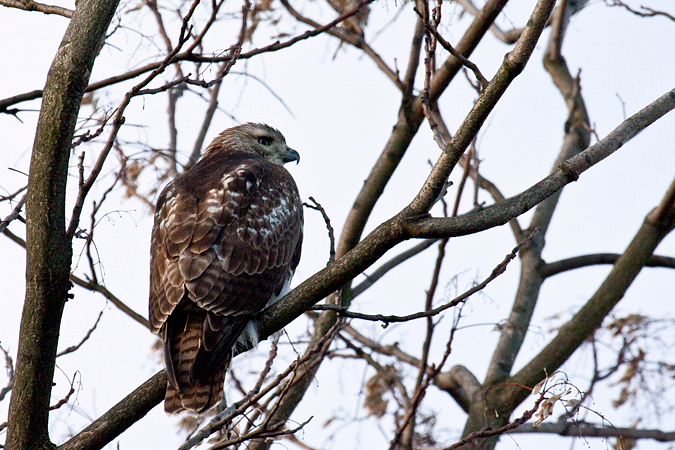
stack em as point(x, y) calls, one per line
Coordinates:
point(48, 248)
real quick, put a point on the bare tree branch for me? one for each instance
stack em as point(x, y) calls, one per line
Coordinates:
point(31, 5)
point(331, 234)
point(95, 287)
point(14, 214)
point(9, 367)
point(514, 63)
point(13, 195)
point(577, 262)
point(75, 347)
point(489, 432)
point(389, 350)
point(206, 123)
point(410, 117)
point(353, 39)
point(65, 399)
point(576, 139)
point(391, 264)
point(405, 432)
point(656, 226)
point(570, 171)
point(414, 60)
point(386, 320)
point(465, 62)
point(92, 286)
point(189, 55)
point(645, 11)
point(120, 417)
point(584, 429)
point(118, 121)
point(298, 370)
point(216, 424)
point(460, 383)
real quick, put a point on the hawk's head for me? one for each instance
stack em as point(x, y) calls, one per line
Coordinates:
point(258, 138)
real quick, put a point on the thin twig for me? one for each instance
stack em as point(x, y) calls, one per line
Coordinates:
point(387, 350)
point(260, 434)
point(119, 119)
point(189, 55)
point(331, 234)
point(152, 4)
point(65, 399)
point(218, 421)
point(40, 7)
point(253, 397)
point(389, 265)
point(461, 58)
point(336, 297)
point(15, 193)
point(430, 51)
point(9, 366)
point(87, 136)
point(95, 287)
point(206, 123)
point(407, 427)
point(352, 39)
point(489, 432)
point(421, 382)
point(89, 237)
point(646, 12)
point(386, 371)
point(386, 320)
point(14, 214)
point(75, 347)
point(298, 442)
point(599, 430)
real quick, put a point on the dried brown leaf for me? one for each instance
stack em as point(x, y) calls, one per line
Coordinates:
point(631, 323)
point(376, 388)
point(625, 443)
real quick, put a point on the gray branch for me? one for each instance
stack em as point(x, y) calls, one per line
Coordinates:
point(583, 429)
point(578, 262)
point(29, 5)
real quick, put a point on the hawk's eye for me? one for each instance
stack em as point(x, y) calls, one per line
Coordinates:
point(265, 140)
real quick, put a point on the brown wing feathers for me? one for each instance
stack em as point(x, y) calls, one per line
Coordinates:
point(226, 239)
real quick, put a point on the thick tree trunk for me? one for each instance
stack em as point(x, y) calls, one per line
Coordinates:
point(49, 249)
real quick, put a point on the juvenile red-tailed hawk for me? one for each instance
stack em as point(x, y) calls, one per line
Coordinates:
point(225, 244)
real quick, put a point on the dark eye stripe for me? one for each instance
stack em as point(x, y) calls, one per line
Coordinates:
point(265, 140)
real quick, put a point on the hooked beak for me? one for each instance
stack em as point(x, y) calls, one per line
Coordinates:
point(290, 155)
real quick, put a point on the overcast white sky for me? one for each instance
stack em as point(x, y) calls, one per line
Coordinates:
point(343, 111)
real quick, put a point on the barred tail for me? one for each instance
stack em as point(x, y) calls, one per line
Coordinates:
point(186, 389)
point(198, 397)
